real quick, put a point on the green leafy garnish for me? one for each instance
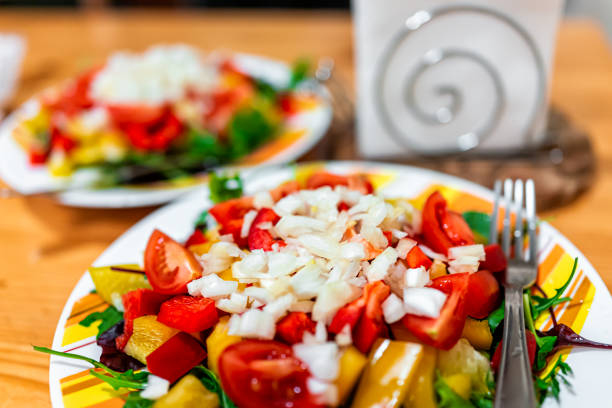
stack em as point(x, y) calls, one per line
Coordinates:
point(212, 383)
point(299, 72)
point(551, 383)
point(109, 317)
point(224, 187)
point(447, 398)
point(249, 128)
point(202, 221)
point(545, 346)
point(540, 304)
point(479, 223)
point(134, 400)
point(496, 317)
point(128, 379)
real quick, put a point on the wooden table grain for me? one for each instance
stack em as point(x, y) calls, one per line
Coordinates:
point(44, 247)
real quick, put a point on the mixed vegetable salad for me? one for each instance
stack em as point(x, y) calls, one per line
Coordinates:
point(163, 114)
point(318, 293)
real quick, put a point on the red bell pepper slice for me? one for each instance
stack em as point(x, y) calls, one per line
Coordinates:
point(157, 136)
point(417, 258)
point(495, 260)
point(445, 330)
point(137, 303)
point(262, 239)
point(483, 294)
point(196, 238)
point(531, 350)
point(364, 316)
point(188, 313)
point(443, 229)
point(285, 189)
point(229, 214)
point(74, 97)
point(357, 182)
point(292, 327)
point(37, 156)
point(175, 357)
point(61, 141)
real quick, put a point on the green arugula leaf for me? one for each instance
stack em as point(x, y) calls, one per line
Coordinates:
point(479, 223)
point(550, 385)
point(447, 398)
point(545, 346)
point(496, 317)
point(109, 317)
point(202, 221)
point(482, 400)
point(540, 304)
point(249, 128)
point(115, 379)
point(224, 187)
point(134, 400)
point(299, 72)
point(210, 380)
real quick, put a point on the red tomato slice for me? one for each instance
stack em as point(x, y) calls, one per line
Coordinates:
point(483, 294)
point(292, 327)
point(531, 350)
point(443, 229)
point(141, 114)
point(75, 95)
point(495, 260)
point(371, 326)
point(232, 209)
point(139, 302)
point(175, 357)
point(417, 258)
point(196, 238)
point(445, 330)
point(189, 314)
point(348, 314)
point(357, 182)
point(257, 374)
point(169, 265)
point(155, 136)
point(262, 239)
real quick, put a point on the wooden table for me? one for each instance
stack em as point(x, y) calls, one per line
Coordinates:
point(44, 248)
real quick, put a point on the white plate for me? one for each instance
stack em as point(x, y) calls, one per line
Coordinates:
point(19, 175)
point(590, 313)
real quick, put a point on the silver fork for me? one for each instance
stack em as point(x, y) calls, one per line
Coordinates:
point(514, 381)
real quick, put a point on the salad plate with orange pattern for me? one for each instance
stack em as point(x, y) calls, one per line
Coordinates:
point(144, 128)
point(337, 284)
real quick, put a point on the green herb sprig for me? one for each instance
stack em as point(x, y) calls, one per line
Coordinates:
point(109, 317)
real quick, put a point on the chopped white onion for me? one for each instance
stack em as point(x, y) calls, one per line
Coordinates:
point(326, 393)
point(263, 199)
point(463, 264)
point(476, 250)
point(433, 254)
point(332, 297)
point(380, 265)
point(373, 235)
point(344, 338)
point(321, 332)
point(260, 294)
point(252, 267)
point(302, 306)
point(253, 323)
point(247, 221)
point(321, 359)
point(423, 301)
point(281, 263)
point(297, 225)
point(416, 277)
point(320, 245)
point(279, 307)
point(220, 257)
point(352, 250)
point(393, 308)
point(211, 286)
point(404, 246)
point(291, 204)
point(156, 387)
point(307, 282)
point(237, 303)
point(398, 234)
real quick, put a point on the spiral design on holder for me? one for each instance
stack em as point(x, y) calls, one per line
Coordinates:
point(447, 112)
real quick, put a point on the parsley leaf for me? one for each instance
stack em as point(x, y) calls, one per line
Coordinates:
point(479, 223)
point(249, 128)
point(224, 187)
point(109, 317)
point(299, 72)
point(545, 346)
point(134, 400)
point(210, 380)
point(550, 385)
point(496, 317)
point(129, 379)
point(541, 304)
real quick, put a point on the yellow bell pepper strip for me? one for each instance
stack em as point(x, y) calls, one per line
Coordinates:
point(218, 341)
point(421, 393)
point(352, 363)
point(391, 367)
point(188, 392)
point(478, 333)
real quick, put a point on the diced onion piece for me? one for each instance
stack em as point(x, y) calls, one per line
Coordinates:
point(281, 263)
point(247, 221)
point(424, 301)
point(320, 245)
point(373, 235)
point(307, 282)
point(404, 246)
point(211, 286)
point(380, 265)
point(297, 225)
point(302, 306)
point(432, 254)
point(237, 303)
point(393, 308)
point(220, 257)
point(263, 199)
point(463, 264)
point(476, 250)
point(253, 323)
point(253, 266)
point(321, 332)
point(345, 337)
point(279, 307)
point(416, 277)
point(260, 294)
point(352, 250)
point(326, 393)
point(156, 387)
point(291, 204)
point(398, 234)
point(332, 297)
point(321, 359)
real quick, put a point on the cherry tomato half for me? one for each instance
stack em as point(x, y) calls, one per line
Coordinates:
point(483, 294)
point(257, 373)
point(169, 265)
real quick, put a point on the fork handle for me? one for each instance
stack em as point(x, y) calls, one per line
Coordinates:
point(514, 381)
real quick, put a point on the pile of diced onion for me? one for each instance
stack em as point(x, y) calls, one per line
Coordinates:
point(319, 271)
